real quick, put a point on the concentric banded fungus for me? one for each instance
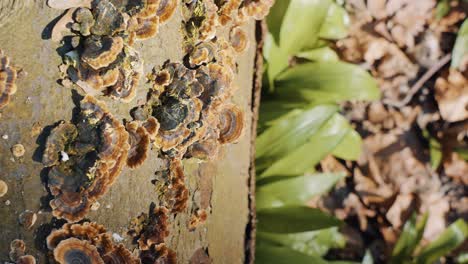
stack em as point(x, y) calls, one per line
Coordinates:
point(139, 140)
point(87, 240)
point(231, 124)
point(177, 193)
point(202, 53)
point(96, 149)
point(101, 52)
point(158, 254)
point(166, 9)
point(73, 250)
point(258, 9)
point(27, 219)
point(239, 39)
point(8, 76)
point(27, 259)
point(120, 255)
point(203, 149)
point(102, 61)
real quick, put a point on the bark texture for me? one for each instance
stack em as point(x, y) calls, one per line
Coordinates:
point(222, 187)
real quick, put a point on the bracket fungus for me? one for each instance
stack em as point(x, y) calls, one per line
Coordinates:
point(238, 39)
point(3, 188)
point(8, 76)
point(96, 147)
point(88, 242)
point(231, 123)
point(73, 250)
point(139, 140)
point(103, 61)
point(27, 219)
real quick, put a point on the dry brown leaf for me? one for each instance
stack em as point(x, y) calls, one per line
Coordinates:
point(451, 93)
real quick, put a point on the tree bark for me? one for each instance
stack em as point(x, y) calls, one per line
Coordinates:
point(224, 187)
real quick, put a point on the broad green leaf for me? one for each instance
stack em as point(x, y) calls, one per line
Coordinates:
point(304, 158)
point(350, 147)
point(409, 239)
point(313, 243)
point(326, 82)
point(287, 134)
point(275, 18)
point(462, 258)
point(368, 258)
point(294, 219)
point(276, 58)
point(266, 253)
point(319, 54)
point(442, 9)
point(449, 240)
point(463, 152)
point(336, 23)
point(295, 191)
point(461, 45)
point(301, 24)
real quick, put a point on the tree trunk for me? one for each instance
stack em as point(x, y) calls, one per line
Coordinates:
point(224, 187)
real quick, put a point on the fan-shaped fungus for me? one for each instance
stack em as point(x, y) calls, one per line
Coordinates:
point(231, 123)
point(27, 219)
point(73, 250)
point(239, 39)
point(101, 52)
point(8, 76)
point(139, 144)
point(3, 188)
point(166, 9)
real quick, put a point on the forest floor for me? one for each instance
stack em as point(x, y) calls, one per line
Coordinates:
point(414, 137)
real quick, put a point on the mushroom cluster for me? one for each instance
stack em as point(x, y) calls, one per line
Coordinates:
point(84, 158)
point(87, 242)
point(101, 59)
point(149, 231)
point(8, 75)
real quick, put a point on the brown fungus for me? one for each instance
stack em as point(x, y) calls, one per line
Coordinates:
point(139, 141)
point(203, 149)
point(108, 19)
point(166, 10)
point(258, 9)
point(119, 255)
point(147, 28)
point(85, 20)
point(231, 123)
point(8, 76)
point(239, 39)
point(101, 52)
point(150, 9)
point(158, 254)
point(3, 188)
point(73, 250)
point(27, 259)
point(96, 149)
point(27, 219)
point(18, 150)
point(202, 53)
point(17, 249)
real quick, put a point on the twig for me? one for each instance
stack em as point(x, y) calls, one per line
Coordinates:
point(415, 88)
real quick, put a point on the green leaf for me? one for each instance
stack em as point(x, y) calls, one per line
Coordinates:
point(326, 82)
point(275, 18)
point(294, 219)
point(350, 147)
point(336, 23)
point(287, 134)
point(461, 45)
point(313, 243)
point(304, 158)
point(462, 258)
point(442, 9)
point(409, 239)
point(463, 152)
point(449, 240)
point(368, 258)
point(435, 150)
point(295, 191)
point(301, 24)
point(276, 58)
point(319, 54)
point(266, 253)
